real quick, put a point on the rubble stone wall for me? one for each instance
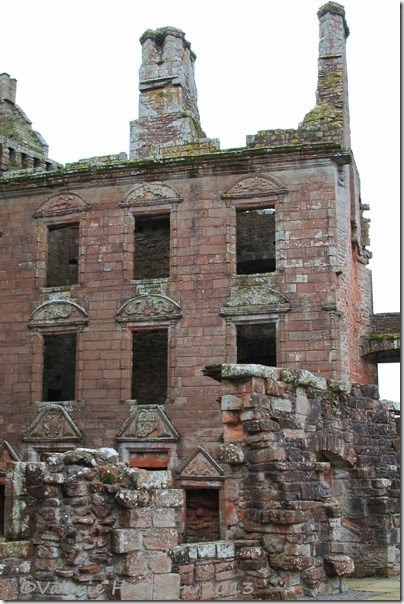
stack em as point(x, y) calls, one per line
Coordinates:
point(84, 526)
point(315, 477)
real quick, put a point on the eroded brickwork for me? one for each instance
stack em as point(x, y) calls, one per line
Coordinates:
point(315, 469)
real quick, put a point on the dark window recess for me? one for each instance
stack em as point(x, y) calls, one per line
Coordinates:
point(63, 253)
point(256, 241)
point(2, 505)
point(256, 343)
point(202, 521)
point(59, 367)
point(152, 247)
point(149, 375)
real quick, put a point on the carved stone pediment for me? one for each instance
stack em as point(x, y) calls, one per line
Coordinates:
point(62, 204)
point(255, 186)
point(52, 424)
point(148, 423)
point(255, 299)
point(200, 465)
point(58, 312)
point(156, 307)
point(150, 194)
point(7, 454)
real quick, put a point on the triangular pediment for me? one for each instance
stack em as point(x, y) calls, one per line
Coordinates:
point(148, 423)
point(61, 204)
point(255, 186)
point(52, 424)
point(7, 454)
point(255, 299)
point(200, 465)
point(149, 306)
point(58, 312)
point(150, 194)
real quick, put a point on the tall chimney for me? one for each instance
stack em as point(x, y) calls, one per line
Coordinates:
point(8, 88)
point(332, 87)
point(168, 110)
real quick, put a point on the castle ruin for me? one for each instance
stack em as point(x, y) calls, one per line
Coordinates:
point(189, 354)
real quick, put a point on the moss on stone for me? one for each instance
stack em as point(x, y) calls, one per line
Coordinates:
point(323, 113)
point(384, 337)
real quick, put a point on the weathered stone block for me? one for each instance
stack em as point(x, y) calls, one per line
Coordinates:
point(290, 562)
point(339, 566)
point(161, 479)
point(9, 589)
point(136, 517)
point(136, 564)
point(168, 498)
point(229, 402)
point(225, 549)
point(204, 572)
point(192, 592)
point(166, 587)
point(16, 549)
point(133, 499)
point(230, 453)
point(206, 550)
point(125, 540)
point(160, 538)
point(274, 388)
point(159, 562)
point(137, 590)
point(163, 518)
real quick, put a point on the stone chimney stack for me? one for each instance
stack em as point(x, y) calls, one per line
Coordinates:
point(168, 110)
point(332, 87)
point(8, 88)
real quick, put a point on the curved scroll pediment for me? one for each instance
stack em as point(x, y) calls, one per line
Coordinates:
point(255, 186)
point(255, 299)
point(149, 306)
point(149, 194)
point(61, 204)
point(58, 312)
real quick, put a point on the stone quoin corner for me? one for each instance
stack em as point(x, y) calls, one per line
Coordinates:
point(188, 373)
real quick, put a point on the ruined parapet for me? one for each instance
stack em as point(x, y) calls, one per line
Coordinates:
point(168, 109)
point(383, 343)
point(311, 469)
point(83, 526)
point(21, 147)
point(328, 121)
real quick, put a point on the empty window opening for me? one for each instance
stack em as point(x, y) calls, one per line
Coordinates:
point(59, 367)
point(12, 158)
point(149, 375)
point(2, 505)
point(152, 247)
point(256, 241)
point(63, 253)
point(256, 344)
point(202, 520)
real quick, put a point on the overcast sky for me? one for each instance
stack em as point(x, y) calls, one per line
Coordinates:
point(77, 69)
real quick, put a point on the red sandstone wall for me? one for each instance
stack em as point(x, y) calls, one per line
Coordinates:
point(203, 266)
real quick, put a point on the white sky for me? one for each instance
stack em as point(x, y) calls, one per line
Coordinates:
point(77, 69)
